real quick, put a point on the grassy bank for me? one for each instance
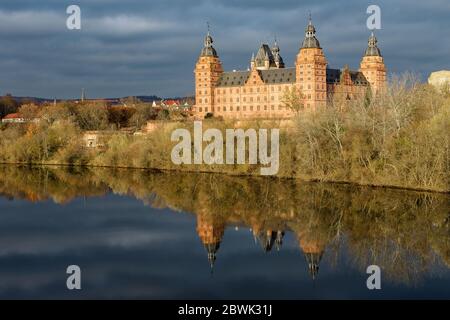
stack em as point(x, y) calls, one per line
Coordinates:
point(399, 138)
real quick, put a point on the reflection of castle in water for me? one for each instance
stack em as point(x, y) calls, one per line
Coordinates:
point(211, 231)
point(376, 223)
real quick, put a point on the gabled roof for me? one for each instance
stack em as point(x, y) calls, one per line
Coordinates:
point(13, 116)
point(272, 76)
point(334, 76)
point(265, 53)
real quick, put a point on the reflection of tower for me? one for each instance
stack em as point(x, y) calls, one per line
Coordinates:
point(211, 234)
point(268, 238)
point(313, 250)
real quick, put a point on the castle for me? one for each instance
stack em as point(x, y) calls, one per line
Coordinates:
point(260, 91)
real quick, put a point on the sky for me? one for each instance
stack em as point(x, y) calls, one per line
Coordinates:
point(150, 47)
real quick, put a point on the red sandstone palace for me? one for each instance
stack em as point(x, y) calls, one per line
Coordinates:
point(260, 91)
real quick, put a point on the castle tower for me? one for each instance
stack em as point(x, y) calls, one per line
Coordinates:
point(210, 234)
point(277, 57)
point(311, 67)
point(372, 66)
point(207, 72)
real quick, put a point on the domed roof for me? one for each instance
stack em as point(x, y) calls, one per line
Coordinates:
point(310, 37)
point(372, 48)
point(208, 50)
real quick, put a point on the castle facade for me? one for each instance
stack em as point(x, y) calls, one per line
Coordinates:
point(260, 91)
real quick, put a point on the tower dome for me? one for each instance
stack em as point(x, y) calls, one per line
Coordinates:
point(208, 49)
point(310, 37)
point(372, 48)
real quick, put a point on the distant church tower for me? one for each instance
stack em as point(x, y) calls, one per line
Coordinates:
point(311, 69)
point(372, 66)
point(207, 72)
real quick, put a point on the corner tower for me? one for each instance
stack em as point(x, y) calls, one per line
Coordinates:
point(373, 67)
point(311, 67)
point(207, 72)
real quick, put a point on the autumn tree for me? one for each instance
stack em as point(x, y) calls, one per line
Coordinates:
point(293, 99)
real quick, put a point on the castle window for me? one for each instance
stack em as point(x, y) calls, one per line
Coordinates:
point(237, 99)
point(257, 98)
point(200, 109)
point(309, 86)
point(200, 100)
point(237, 108)
point(231, 108)
point(265, 107)
point(272, 107)
point(244, 108)
point(272, 98)
point(245, 99)
point(258, 108)
point(251, 108)
point(206, 109)
point(251, 99)
point(218, 109)
point(225, 109)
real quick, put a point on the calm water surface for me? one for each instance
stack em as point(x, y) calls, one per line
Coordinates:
point(138, 234)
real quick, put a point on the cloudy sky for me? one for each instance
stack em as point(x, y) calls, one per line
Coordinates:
point(144, 47)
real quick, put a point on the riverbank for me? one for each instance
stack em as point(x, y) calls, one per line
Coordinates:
point(396, 140)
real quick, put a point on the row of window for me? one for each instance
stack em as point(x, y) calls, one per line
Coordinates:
point(244, 108)
point(319, 95)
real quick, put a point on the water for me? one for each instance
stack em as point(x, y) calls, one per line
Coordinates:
point(140, 234)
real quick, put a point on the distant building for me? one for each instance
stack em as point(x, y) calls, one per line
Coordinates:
point(259, 91)
point(13, 118)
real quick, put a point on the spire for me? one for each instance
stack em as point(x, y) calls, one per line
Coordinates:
point(313, 260)
point(372, 48)
point(208, 49)
point(276, 54)
point(310, 36)
point(211, 249)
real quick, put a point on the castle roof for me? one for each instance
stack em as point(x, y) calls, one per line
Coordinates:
point(334, 76)
point(281, 76)
point(208, 50)
point(372, 48)
point(310, 40)
point(265, 54)
point(272, 76)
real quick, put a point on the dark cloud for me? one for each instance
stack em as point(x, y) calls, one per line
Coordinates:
point(150, 47)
